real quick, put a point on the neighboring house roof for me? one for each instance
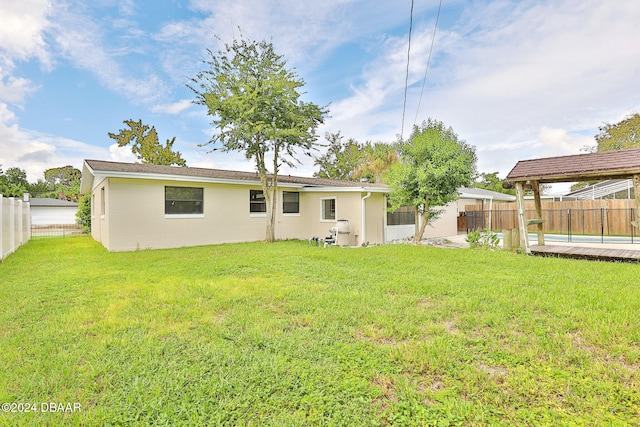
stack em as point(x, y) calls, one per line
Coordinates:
point(100, 168)
point(481, 193)
point(602, 189)
point(579, 167)
point(52, 203)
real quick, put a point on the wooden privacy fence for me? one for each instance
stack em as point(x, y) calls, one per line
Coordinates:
point(15, 224)
point(588, 217)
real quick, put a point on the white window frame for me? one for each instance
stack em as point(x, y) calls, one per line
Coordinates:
point(257, 214)
point(182, 215)
point(335, 211)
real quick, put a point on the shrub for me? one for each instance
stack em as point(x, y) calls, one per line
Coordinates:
point(83, 216)
point(483, 239)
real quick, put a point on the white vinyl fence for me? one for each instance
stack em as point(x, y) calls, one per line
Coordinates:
point(15, 224)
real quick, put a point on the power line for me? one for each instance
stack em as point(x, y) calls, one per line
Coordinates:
point(406, 79)
point(433, 39)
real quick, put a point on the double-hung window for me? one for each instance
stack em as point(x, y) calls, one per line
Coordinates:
point(290, 202)
point(328, 209)
point(183, 200)
point(257, 202)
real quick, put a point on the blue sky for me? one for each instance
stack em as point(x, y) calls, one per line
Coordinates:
point(516, 79)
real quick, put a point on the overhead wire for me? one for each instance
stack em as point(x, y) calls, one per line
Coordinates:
point(424, 80)
point(406, 79)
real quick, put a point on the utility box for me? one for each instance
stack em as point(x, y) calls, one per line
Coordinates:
point(342, 236)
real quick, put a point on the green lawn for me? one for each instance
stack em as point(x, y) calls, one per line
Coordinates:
point(292, 334)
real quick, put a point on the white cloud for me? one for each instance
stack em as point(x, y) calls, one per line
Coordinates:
point(121, 154)
point(35, 152)
point(21, 32)
point(21, 38)
point(82, 40)
point(516, 79)
point(305, 33)
point(557, 142)
point(173, 108)
point(14, 89)
point(540, 64)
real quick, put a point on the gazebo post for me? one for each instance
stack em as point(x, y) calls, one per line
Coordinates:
point(522, 224)
point(536, 195)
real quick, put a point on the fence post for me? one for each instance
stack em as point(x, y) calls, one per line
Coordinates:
point(601, 225)
point(26, 217)
point(18, 227)
point(12, 223)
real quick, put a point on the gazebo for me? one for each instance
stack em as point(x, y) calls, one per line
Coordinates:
point(529, 174)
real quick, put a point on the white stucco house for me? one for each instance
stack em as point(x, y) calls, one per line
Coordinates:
point(143, 206)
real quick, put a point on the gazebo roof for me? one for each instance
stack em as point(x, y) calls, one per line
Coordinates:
point(580, 167)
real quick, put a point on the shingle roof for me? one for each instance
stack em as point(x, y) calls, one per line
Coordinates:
point(580, 167)
point(105, 166)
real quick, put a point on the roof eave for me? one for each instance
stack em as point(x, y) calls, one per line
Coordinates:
point(101, 174)
point(578, 176)
point(86, 179)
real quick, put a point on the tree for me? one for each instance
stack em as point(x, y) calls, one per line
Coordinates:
point(617, 136)
point(83, 215)
point(13, 182)
point(254, 102)
point(64, 182)
point(491, 181)
point(434, 163)
point(341, 159)
point(377, 159)
point(353, 161)
point(65, 176)
point(145, 145)
point(41, 188)
point(621, 135)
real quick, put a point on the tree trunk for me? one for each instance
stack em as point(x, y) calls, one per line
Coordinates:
point(416, 230)
point(269, 190)
point(424, 217)
point(270, 200)
point(423, 225)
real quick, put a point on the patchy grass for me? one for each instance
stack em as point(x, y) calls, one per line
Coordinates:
point(292, 334)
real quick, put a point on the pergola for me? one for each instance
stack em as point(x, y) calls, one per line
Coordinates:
point(529, 174)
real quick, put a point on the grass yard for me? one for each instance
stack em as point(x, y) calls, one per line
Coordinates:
point(292, 334)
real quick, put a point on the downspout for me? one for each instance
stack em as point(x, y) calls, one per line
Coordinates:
point(364, 218)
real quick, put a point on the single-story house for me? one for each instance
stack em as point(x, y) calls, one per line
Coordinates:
point(482, 197)
point(143, 206)
point(46, 211)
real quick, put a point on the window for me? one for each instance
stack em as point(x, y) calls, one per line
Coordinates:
point(183, 200)
point(328, 209)
point(257, 202)
point(290, 202)
point(102, 201)
point(404, 215)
